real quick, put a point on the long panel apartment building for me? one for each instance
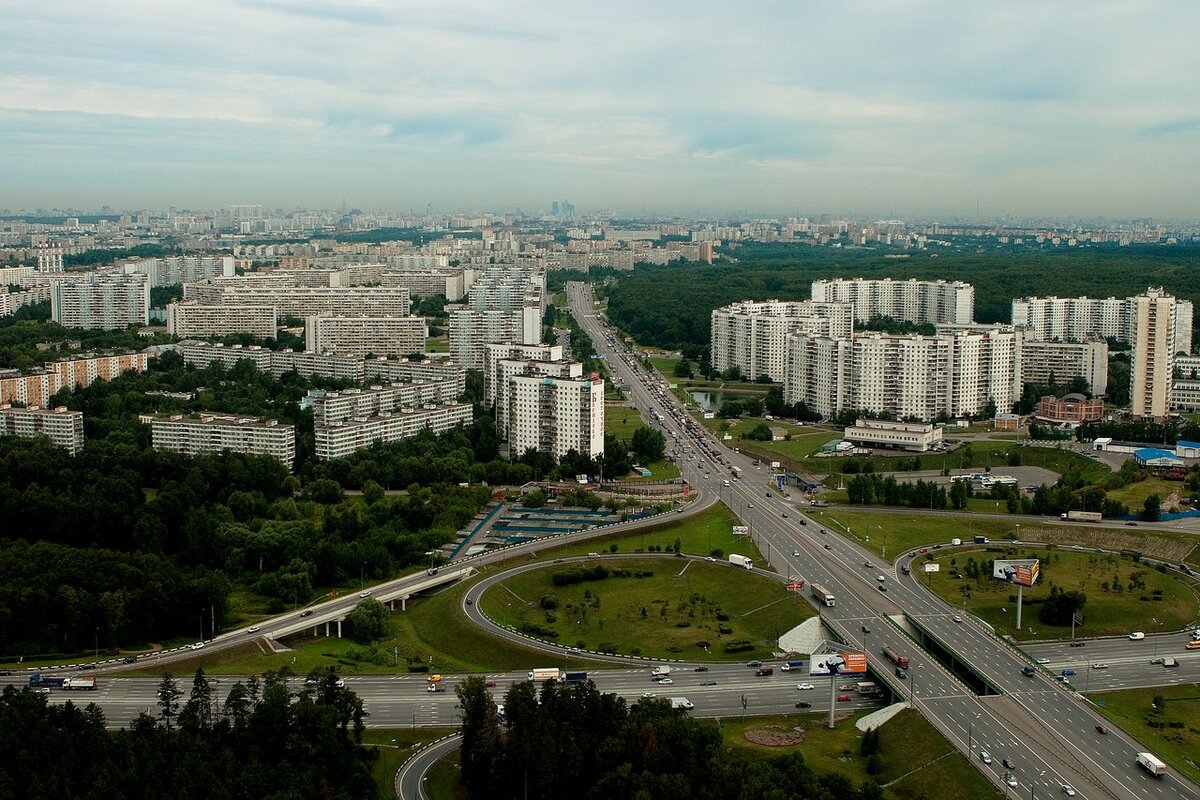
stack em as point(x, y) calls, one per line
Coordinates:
point(1079, 319)
point(174, 270)
point(37, 387)
point(365, 335)
point(1041, 360)
point(102, 301)
point(331, 407)
point(190, 318)
point(303, 301)
point(752, 336)
point(64, 428)
point(919, 302)
point(918, 377)
point(199, 434)
point(340, 439)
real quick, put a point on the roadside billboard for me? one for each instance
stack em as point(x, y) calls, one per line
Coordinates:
point(740, 530)
point(1019, 572)
point(841, 664)
point(931, 567)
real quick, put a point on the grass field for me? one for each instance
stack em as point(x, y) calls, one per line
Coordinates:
point(395, 745)
point(1133, 710)
point(1162, 603)
point(917, 760)
point(684, 609)
point(442, 780)
point(622, 421)
point(987, 453)
point(1134, 495)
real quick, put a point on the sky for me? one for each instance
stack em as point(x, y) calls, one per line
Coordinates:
point(895, 109)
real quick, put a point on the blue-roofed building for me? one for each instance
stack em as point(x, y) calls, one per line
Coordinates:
point(1156, 457)
point(1187, 449)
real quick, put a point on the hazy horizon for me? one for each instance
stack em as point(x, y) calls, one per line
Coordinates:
point(1070, 110)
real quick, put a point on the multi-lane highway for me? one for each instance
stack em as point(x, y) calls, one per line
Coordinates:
point(1039, 723)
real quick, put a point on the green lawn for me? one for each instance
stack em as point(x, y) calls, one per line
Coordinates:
point(622, 421)
point(659, 471)
point(442, 780)
point(666, 366)
point(395, 745)
point(900, 532)
point(1132, 709)
point(679, 611)
point(439, 344)
point(701, 534)
point(1108, 612)
point(916, 758)
point(1134, 495)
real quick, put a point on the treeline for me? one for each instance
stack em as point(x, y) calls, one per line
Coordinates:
point(94, 257)
point(29, 326)
point(669, 306)
point(260, 742)
point(573, 741)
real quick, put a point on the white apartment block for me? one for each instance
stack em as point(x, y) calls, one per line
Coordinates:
point(181, 269)
point(340, 439)
point(331, 407)
point(1078, 319)
point(508, 287)
point(556, 415)
point(304, 301)
point(11, 301)
point(362, 336)
point(1152, 326)
point(215, 433)
point(752, 336)
point(15, 276)
point(326, 365)
point(64, 428)
point(49, 258)
point(104, 301)
point(201, 354)
point(919, 302)
point(447, 282)
point(917, 377)
point(507, 369)
point(193, 319)
point(493, 354)
point(402, 370)
point(471, 331)
point(1066, 360)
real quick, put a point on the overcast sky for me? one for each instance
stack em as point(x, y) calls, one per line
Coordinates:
point(1064, 109)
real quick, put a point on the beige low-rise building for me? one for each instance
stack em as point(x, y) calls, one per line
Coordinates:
point(912, 436)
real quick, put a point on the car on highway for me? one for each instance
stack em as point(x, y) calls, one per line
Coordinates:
point(803, 704)
point(785, 515)
point(985, 756)
point(805, 686)
point(306, 612)
point(1068, 790)
point(1099, 666)
point(1010, 779)
point(868, 565)
point(1066, 672)
point(364, 594)
point(252, 629)
point(197, 645)
point(1043, 661)
point(1156, 660)
point(956, 618)
point(129, 660)
point(470, 601)
point(882, 588)
point(754, 663)
point(702, 668)
point(490, 683)
point(1008, 763)
point(827, 547)
point(648, 695)
point(843, 698)
point(708, 683)
point(1078, 644)
point(795, 554)
point(1101, 729)
point(665, 682)
point(749, 505)
point(1137, 636)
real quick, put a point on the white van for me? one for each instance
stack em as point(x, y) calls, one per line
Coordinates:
point(1137, 636)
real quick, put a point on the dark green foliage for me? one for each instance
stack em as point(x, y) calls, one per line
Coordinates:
point(647, 444)
point(669, 306)
point(261, 745)
point(1058, 608)
point(579, 575)
point(603, 748)
point(872, 488)
point(760, 433)
point(368, 621)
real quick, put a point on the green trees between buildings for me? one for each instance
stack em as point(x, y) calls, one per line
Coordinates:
point(647, 444)
point(261, 742)
point(577, 742)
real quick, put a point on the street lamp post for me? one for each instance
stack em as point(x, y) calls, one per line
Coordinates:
point(970, 724)
point(865, 632)
point(1033, 783)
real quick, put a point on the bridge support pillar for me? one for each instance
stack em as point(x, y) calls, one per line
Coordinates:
point(327, 629)
point(339, 622)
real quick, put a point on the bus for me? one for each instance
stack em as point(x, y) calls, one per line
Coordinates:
point(868, 689)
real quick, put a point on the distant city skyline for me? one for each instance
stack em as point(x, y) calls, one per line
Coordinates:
point(937, 109)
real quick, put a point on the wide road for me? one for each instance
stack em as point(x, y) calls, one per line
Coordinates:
point(1049, 731)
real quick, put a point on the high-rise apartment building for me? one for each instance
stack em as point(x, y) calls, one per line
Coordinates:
point(556, 415)
point(1152, 327)
point(363, 335)
point(919, 302)
point(193, 319)
point(1078, 319)
point(471, 331)
point(49, 258)
point(341, 438)
point(752, 336)
point(1041, 360)
point(103, 301)
point(174, 270)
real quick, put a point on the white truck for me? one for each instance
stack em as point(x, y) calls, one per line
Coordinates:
point(1082, 516)
point(741, 561)
point(663, 671)
point(822, 594)
point(545, 674)
point(682, 702)
point(1151, 764)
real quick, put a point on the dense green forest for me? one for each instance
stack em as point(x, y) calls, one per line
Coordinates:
point(259, 741)
point(669, 306)
point(573, 741)
point(22, 331)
